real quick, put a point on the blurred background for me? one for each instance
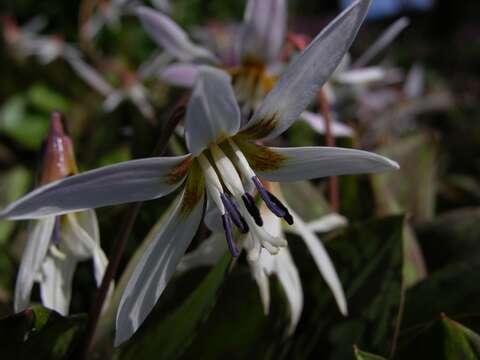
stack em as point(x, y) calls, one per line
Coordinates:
point(424, 115)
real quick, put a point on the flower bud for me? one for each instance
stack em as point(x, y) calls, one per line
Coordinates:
point(58, 158)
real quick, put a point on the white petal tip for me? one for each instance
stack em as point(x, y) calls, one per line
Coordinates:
point(394, 165)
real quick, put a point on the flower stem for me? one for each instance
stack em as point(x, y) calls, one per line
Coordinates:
point(121, 240)
point(333, 190)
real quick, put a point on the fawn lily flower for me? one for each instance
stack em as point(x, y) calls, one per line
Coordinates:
point(224, 159)
point(251, 60)
point(56, 244)
point(282, 265)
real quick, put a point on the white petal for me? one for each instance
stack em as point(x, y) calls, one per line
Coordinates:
point(138, 95)
point(38, 241)
point(212, 113)
point(56, 284)
point(304, 77)
point(324, 264)
point(361, 76)
point(155, 268)
point(180, 74)
point(208, 253)
point(382, 42)
point(317, 122)
point(113, 100)
point(289, 278)
point(169, 35)
point(81, 241)
point(89, 75)
point(213, 216)
point(264, 29)
point(328, 223)
point(414, 85)
point(154, 65)
point(259, 268)
point(130, 181)
point(305, 163)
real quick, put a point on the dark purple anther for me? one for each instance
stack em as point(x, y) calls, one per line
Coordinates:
point(272, 202)
point(227, 225)
point(287, 217)
point(235, 215)
point(252, 208)
point(56, 235)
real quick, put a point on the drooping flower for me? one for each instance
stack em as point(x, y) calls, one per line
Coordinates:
point(223, 162)
point(281, 264)
point(56, 244)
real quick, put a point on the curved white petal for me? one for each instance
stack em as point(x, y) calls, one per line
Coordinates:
point(260, 266)
point(135, 180)
point(113, 100)
point(80, 239)
point(208, 253)
point(180, 74)
point(56, 283)
point(289, 278)
point(304, 77)
point(156, 267)
point(213, 216)
point(317, 122)
point(38, 241)
point(264, 29)
point(89, 75)
point(382, 42)
point(305, 163)
point(328, 223)
point(169, 35)
point(212, 113)
point(324, 264)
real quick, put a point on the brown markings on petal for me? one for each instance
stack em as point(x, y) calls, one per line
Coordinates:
point(261, 128)
point(194, 189)
point(260, 158)
point(179, 171)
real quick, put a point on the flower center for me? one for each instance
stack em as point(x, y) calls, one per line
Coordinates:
point(251, 83)
point(226, 178)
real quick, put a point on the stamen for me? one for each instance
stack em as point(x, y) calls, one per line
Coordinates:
point(227, 225)
point(287, 217)
point(235, 215)
point(252, 208)
point(272, 202)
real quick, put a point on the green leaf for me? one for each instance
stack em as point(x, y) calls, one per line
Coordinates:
point(413, 188)
point(452, 238)
point(13, 184)
point(362, 355)
point(168, 338)
point(46, 100)
point(238, 327)
point(442, 339)
point(299, 193)
point(369, 260)
point(454, 291)
point(38, 333)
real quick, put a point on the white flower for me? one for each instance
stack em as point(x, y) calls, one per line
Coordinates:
point(264, 264)
point(56, 244)
point(223, 158)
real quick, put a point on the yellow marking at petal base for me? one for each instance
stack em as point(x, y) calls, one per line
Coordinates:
point(259, 157)
point(194, 189)
point(179, 171)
